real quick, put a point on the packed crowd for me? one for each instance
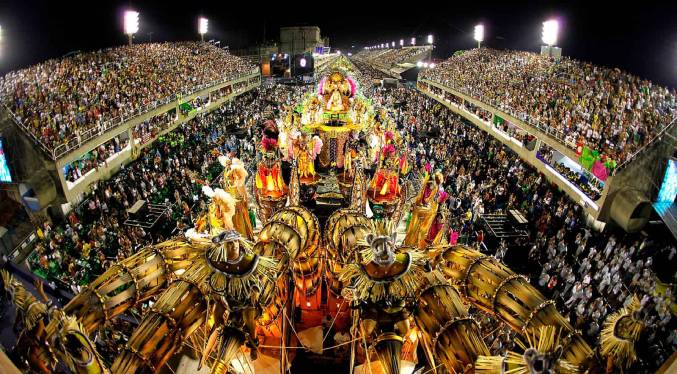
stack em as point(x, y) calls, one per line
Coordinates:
point(604, 109)
point(590, 274)
point(63, 98)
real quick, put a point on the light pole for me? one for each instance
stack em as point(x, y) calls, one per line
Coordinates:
point(549, 38)
point(479, 34)
point(131, 23)
point(202, 26)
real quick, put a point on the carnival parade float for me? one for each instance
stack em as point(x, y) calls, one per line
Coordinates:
point(326, 260)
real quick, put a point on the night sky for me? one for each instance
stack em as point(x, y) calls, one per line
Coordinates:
point(640, 37)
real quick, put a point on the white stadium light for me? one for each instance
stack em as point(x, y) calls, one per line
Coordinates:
point(131, 21)
point(419, 64)
point(131, 24)
point(432, 65)
point(401, 42)
point(202, 25)
point(430, 39)
point(550, 30)
point(413, 41)
point(425, 64)
point(479, 33)
point(392, 44)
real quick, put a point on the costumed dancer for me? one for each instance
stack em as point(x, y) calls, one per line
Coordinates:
point(424, 210)
point(234, 178)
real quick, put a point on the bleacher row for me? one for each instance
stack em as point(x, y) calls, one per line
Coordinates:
point(596, 110)
point(79, 97)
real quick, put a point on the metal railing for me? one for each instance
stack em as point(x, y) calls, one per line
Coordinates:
point(77, 140)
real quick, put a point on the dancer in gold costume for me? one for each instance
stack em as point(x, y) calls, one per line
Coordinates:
point(234, 178)
point(424, 211)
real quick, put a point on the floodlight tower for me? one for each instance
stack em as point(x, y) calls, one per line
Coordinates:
point(479, 34)
point(131, 23)
point(549, 38)
point(202, 26)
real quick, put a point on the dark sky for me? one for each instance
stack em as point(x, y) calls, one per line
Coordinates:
point(640, 37)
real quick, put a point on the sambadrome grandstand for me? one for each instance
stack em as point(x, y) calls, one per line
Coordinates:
point(176, 207)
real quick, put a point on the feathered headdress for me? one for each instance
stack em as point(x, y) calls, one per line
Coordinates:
point(270, 129)
point(227, 204)
point(238, 172)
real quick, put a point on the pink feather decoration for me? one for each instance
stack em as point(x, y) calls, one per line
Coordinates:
point(353, 86)
point(388, 150)
point(320, 90)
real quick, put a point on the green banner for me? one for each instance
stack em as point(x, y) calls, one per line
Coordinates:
point(588, 158)
point(498, 120)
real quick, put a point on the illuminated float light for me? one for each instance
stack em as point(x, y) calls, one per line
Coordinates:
point(308, 304)
point(550, 30)
point(413, 41)
point(430, 39)
point(401, 42)
point(131, 22)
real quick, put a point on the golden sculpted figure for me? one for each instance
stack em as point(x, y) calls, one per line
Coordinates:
point(336, 91)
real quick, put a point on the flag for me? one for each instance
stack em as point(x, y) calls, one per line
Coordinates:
point(599, 170)
point(588, 158)
point(498, 120)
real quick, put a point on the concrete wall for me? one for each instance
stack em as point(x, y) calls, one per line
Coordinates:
point(295, 40)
